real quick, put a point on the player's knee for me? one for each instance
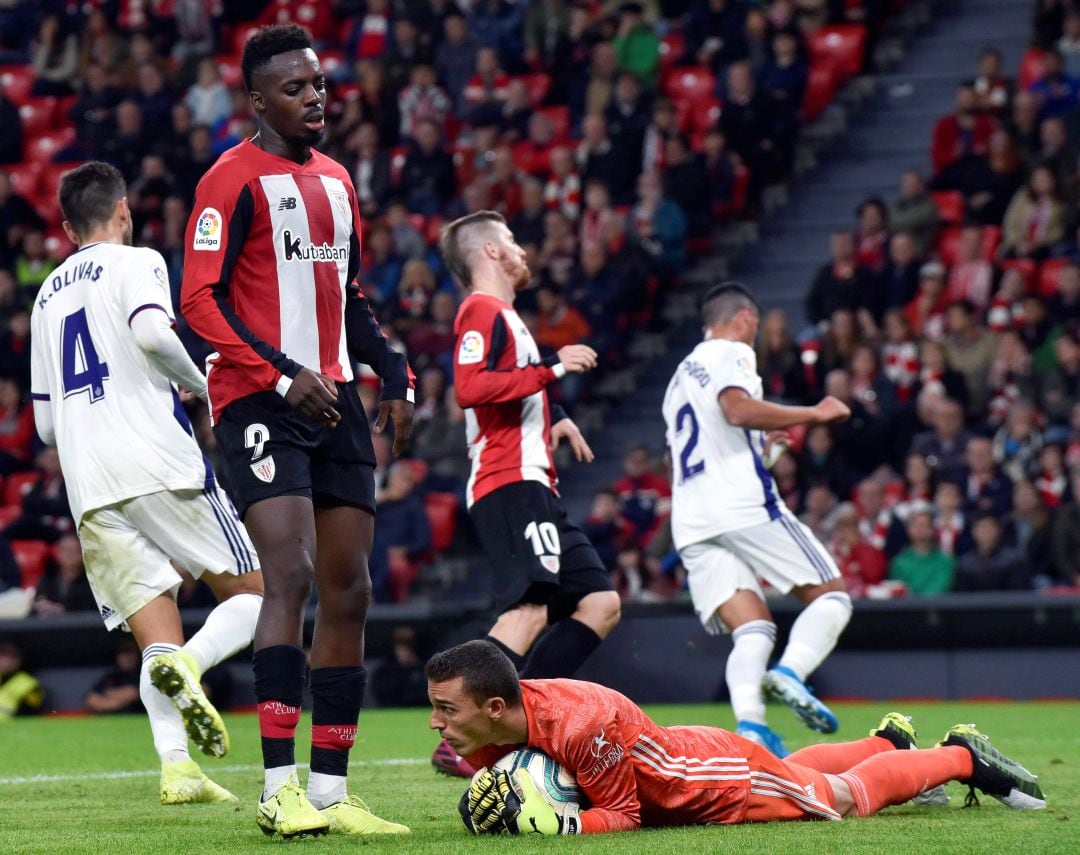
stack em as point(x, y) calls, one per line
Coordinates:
point(600, 611)
point(290, 581)
point(348, 601)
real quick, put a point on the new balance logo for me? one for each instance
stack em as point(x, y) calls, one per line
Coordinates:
point(296, 250)
point(287, 203)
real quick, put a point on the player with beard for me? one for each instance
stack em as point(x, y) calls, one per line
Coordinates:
point(270, 282)
point(546, 570)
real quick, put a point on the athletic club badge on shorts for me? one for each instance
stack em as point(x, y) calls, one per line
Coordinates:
point(550, 563)
point(264, 469)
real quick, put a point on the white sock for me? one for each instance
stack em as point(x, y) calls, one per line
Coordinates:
point(276, 778)
point(753, 644)
point(170, 738)
point(815, 633)
point(228, 629)
point(325, 790)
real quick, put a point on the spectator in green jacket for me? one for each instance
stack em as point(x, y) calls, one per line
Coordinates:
point(637, 48)
point(922, 566)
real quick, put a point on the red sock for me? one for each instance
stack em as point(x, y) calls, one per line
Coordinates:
point(894, 777)
point(834, 758)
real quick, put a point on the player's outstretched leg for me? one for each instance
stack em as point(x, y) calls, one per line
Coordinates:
point(900, 731)
point(177, 676)
point(183, 782)
point(995, 774)
point(784, 685)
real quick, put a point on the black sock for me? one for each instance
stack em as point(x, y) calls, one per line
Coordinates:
point(279, 691)
point(516, 658)
point(336, 697)
point(561, 651)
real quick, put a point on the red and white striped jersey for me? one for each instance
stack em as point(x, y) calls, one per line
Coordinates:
point(273, 248)
point(499, 381)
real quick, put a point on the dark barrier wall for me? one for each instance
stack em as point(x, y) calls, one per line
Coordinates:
point(954, 647)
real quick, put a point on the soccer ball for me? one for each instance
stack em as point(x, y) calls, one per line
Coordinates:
point(555, 784)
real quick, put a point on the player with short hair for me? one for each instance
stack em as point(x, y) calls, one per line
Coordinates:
point(547, 571)
point(633, 773)
point(732, 529)
point(103, 359)
point(270, 282)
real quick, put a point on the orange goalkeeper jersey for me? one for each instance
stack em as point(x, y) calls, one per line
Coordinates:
point(631, 771)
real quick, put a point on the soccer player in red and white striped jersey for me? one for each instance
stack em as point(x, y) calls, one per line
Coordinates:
point(269, 282)
point(546, 569)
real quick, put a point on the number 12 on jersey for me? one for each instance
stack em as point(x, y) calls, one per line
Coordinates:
point(79, 362)
point(686, 424)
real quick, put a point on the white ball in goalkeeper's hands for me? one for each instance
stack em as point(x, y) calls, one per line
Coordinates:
point(554, 782)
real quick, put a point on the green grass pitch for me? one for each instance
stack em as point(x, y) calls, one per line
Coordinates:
point(73, 785)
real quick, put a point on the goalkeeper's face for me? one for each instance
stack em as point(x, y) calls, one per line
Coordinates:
point(459, 720)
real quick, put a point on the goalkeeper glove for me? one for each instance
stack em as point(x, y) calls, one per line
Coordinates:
point(526, 811)
point(481, 805)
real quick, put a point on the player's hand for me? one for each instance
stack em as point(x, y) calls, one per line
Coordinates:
point(315, 395)
point(830, 409)
point(402, 414)
point(481, 806)
point(776, 443)
point(566, 429)
point(577, 358)
point(526, 811)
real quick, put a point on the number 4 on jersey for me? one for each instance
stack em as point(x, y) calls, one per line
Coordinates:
point(82, 369)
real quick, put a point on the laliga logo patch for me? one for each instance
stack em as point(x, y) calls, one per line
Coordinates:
point(160, 277)
point(743, 364)
point(208, 230)
point(265, 469)
point(471, 349)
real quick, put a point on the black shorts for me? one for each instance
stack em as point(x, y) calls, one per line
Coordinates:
point(270, 449)
point(539, 556)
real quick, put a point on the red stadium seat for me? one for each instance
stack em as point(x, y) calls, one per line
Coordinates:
point(419, 467)
point(442, 516)
point(48, 207)
point(18, 485)
point(403, 573)
point(991, 240)
point(16, 81)
point(43, 148)
point(1027, 268)
point(672, 47)
point(1050, 276)
point(241, 35)
point(819, 91)
point(63, 106)
point(30, 555)
point(705, 116)
point(840, 46)
point(57, 243)
point(538, 86)
point(950, 206)
point(397, 163)
point(1031, 67)
point(948, 245)
point(528, 158)
point(8, 515)
point(37, 116)
point(229, 70)
point(431, 233)
point(693, 84)
point(331, 61)
point(560, 119)
point(25, 178)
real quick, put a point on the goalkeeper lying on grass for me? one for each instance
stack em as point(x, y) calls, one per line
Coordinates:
point(634, 773)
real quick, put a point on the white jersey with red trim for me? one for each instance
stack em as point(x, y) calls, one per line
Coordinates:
point(719, 479)
point(500, 381)
point(120, 428)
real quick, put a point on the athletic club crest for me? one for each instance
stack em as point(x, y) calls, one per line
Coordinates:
point(264, 469)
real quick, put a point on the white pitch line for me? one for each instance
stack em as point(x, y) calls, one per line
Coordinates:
point(153, 773)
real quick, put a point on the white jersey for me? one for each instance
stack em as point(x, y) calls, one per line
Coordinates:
point(719, 479)
point(120, 428)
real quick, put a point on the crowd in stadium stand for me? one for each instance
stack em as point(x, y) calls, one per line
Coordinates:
point(613, 136)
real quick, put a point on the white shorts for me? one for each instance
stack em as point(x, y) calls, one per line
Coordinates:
point(128, 547)
point(783, 552)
